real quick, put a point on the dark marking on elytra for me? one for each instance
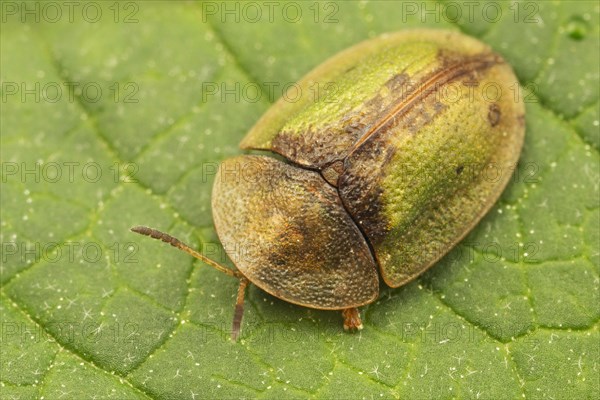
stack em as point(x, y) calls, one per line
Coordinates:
point(369, 216)
point(494, 114)
point(374, 104)
point(453, 67)
point(314, 150)
point(474, 64)
point(398, 82)
point(362, 191)
point(459, 169)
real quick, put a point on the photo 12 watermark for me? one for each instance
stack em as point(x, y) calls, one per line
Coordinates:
point(70, 92)
point(70, 332)
point(468, 11)
point(251, 12)
point(70, 172)
point(52, 12)
point(50, 252)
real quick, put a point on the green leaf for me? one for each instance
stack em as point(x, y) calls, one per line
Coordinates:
point(116, 114)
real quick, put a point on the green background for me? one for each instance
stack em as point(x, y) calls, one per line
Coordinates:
point(90, 310)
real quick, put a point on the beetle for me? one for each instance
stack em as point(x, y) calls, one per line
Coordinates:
point(383, 172)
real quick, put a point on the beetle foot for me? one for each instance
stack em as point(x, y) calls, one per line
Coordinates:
point(352, 320)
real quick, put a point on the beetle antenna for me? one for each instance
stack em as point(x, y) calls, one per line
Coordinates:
point(165, 237)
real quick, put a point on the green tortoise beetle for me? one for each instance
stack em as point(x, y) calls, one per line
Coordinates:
point(383, 173)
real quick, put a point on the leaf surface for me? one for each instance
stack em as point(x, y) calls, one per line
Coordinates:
point(122, 121)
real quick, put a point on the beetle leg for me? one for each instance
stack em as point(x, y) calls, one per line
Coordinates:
point(239, 310)
point(352, 319)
